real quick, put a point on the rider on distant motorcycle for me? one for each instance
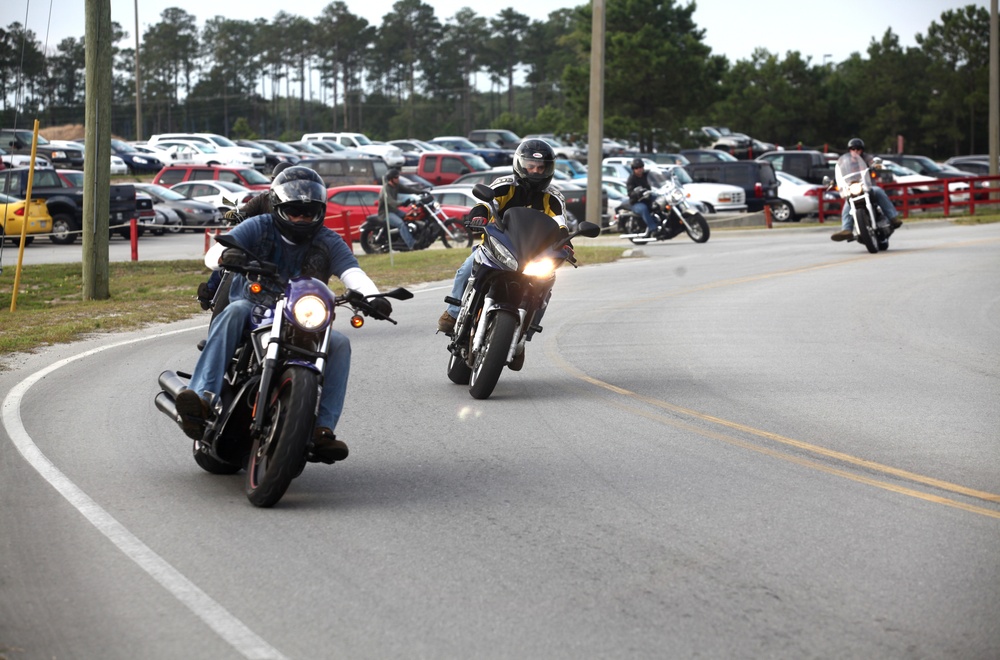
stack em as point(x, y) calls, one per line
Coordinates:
point(388, 205)
point(856, 147)
point(534, 166)
point(293, 237)
point(638, 183)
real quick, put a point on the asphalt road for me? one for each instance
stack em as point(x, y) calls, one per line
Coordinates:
point(769, 445)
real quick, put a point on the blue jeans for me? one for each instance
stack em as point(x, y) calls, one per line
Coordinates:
point(881, 200)
point(396, 222)
point(224, 337)
point(642, 208)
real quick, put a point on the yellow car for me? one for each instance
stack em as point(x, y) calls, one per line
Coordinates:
point(12, 217)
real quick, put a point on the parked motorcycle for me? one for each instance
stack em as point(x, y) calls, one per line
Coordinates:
point(871, 228)
point(427, 223)
point(672, 212)
point(265, 414)
point(510, 285)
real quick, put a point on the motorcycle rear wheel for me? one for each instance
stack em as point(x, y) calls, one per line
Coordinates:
point(370, 240)
point(698, 231)
point(458, 371)
point(279, 454)
point(490, 360)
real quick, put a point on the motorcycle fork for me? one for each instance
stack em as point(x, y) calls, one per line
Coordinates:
point(270, 363)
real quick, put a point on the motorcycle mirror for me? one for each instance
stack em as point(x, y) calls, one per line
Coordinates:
point(588, 229)
point(827, 181)
point(397, 294)
point(483, 192)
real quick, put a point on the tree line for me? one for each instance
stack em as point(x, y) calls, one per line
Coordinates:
point(418, 76)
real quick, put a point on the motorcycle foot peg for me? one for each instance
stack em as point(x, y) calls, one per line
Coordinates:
point(534, 327)
point(453, 301)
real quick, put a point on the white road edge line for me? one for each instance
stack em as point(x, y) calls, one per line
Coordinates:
point(228, 627)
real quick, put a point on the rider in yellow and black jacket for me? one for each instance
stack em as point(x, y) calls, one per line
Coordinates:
point(534, 165)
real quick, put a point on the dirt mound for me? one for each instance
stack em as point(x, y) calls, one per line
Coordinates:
point(65, 132)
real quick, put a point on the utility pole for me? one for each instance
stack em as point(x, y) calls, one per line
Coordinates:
point(138, 79)
point(595, 129)
point(97, 151)
point(994, 90)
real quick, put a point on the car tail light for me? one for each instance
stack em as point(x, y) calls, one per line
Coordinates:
point(813, 192)
point(758, 190)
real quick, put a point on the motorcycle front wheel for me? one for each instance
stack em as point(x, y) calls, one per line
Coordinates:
point(866, 232)
point(372, 240)
point(492, 356)
point(279, 454)
point(697, 228)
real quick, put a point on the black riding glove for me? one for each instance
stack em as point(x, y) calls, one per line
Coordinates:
point(205, 295)
point(233, 258)
point(381, 308)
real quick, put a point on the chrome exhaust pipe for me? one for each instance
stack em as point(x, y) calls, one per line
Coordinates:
point(172, 383)
point(165, 404)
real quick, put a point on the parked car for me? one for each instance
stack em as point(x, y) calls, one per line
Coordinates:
point(722, 139)
point(412, 148)
point(506, 139)
point(561, 148)
point(136, 161)
point(165, 156)
point(713, 197)
point(958, 190)
point(238, 154)
point(392, 156)
point(926, 166)
point(284, 148)
point(215, 193)
point(978, 165)
point(271, 155)
point(707, 155)
point(12, 217)
point(201, 153)
point(346, 170)
point(356, 203)
point(18, 141)
point(796, 198)
point(190, 213)
point(117, 165)
point(756, 178)
point(493, 157)
point(244, 176)
point(571, 168)
point(809, 165)
point(443, 167)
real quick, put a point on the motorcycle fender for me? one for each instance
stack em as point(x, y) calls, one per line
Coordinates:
point(312, 366)
point(490, 308)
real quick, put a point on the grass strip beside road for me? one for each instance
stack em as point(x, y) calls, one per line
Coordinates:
point(51, 310)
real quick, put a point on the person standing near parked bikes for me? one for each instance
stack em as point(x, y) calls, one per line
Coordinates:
point(388, 205)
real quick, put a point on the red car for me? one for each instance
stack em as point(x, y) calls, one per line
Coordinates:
point(349, 206)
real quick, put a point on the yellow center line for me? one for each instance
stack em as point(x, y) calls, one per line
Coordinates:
point(552, 352)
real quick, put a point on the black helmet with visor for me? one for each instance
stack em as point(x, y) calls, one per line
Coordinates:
point(297, 193)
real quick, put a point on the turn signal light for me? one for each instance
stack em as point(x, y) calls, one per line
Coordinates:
point(357, 321)
point(255, 287)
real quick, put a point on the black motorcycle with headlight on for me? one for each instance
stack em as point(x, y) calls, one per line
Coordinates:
point(263, 418)
point(511, 282)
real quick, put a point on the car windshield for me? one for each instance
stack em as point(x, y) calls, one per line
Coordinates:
point(681, 175)
point(255, 177)
point(712, 133)
point(930, 165)
point(223, 141)
point(122, 146)
point(165, 193)
point(230, 186)
point(362, 140)
point(789, 178)
point(282, 147)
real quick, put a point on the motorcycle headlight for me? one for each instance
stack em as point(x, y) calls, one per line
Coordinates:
point(310, 312)
point(676, 196)
point(540, 267)
point(856, 188)
point(502, 254)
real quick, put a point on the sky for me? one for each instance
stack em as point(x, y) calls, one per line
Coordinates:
point(826, 32)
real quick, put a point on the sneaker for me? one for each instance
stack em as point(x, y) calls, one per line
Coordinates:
point(842, 235)
point(194, 413)
point(446, 323)
point(326, 448)
point(518, 361)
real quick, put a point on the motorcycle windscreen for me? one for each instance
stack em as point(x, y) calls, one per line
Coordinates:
point(529, 231)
